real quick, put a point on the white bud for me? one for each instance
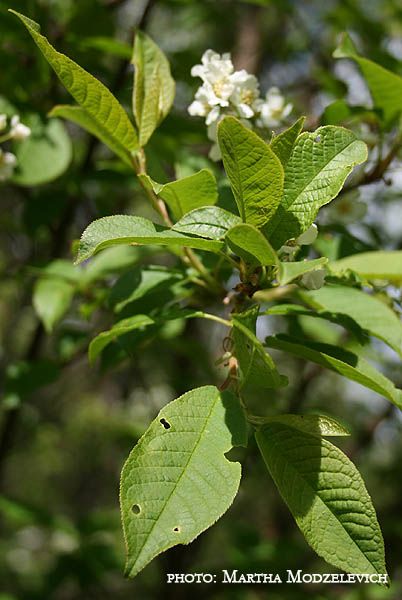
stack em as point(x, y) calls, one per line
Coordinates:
point(308, 237)
point(19, 131)
point(314, 280)
point(7, 164)
point(3, 121)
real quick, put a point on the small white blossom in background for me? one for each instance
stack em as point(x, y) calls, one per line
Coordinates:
point(227, 92)
point(348, 208)
point(314, 280)
point(274, 109)
point(8, 162)
point(308, 237)
point(18, 130)
point(3, 121)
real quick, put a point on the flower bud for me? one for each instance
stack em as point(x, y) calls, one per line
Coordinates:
point(314, 280)
point(19, 131)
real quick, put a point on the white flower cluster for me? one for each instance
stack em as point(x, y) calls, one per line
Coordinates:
point(228, 92)
point(17, 131)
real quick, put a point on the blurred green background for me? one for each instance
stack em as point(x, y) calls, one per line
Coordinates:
point(66, 427)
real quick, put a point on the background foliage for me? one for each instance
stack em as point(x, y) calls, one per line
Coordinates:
point(66, 427)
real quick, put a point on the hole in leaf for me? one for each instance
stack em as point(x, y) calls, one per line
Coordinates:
point(317, 139)
point(136, 509)
point(177, 529)
point(165, 423)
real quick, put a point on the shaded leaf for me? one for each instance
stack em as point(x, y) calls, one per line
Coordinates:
point(318, 425)
point(341, 361)
point(248, 242)
point(51, 299)
point(327, 497)
point(283, 143)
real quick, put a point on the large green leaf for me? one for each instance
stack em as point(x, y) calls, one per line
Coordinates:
point(372, 265)
point(291, 270)
point(341, 361)
point(126, 229)
point(254, 171)
point(283, 144)
point(51, 299)
point(187, 194)
point(106, 115)
point(326, 495)
point(44, 155)
point(154, 87)
point(177, 481)
point(247, 241)
point(79, 115)
point(210, 222)
point(314, 175)
point(368, 312)
point(385, 86)
point(256, 366)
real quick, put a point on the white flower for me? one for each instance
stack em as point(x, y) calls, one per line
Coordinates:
point(7, 164)
point(314, 280)
point(348, 208)
point(215, 73)
point(273, 110)
point(3, 121)
point(19, 131)
point(308, 237)
point(202, 105)
point(245, 94)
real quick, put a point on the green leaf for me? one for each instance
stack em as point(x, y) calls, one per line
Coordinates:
point(283, 144)
point(314, 175)
point(248, 242)
point(327, 497)
point(318, 425)
point(185, 195)
point(254, 171)
point(154, 87)
point(291, 270)
point(51, 299)
point(44, 155)
point(177, 480)
point(210, 222)
point(140, 281)
point(372, 265)
point(126, 229)
point(385, 86)
point(105, 112)
point(111, 262)
point(139, 321)
point(256, 366)
point(368, 312)
point(296, 310)
point(341, 361)
point(82, 118)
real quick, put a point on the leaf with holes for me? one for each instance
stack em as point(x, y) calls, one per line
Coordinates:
point(154, 87)
point(314, 175)
point(107, 117)
point(341, 361)
point(209, 221)
point(254, 171)
point(187, 194)
point(126, 229)
point(326, 495)
point(385, 86)
point(177, 481)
